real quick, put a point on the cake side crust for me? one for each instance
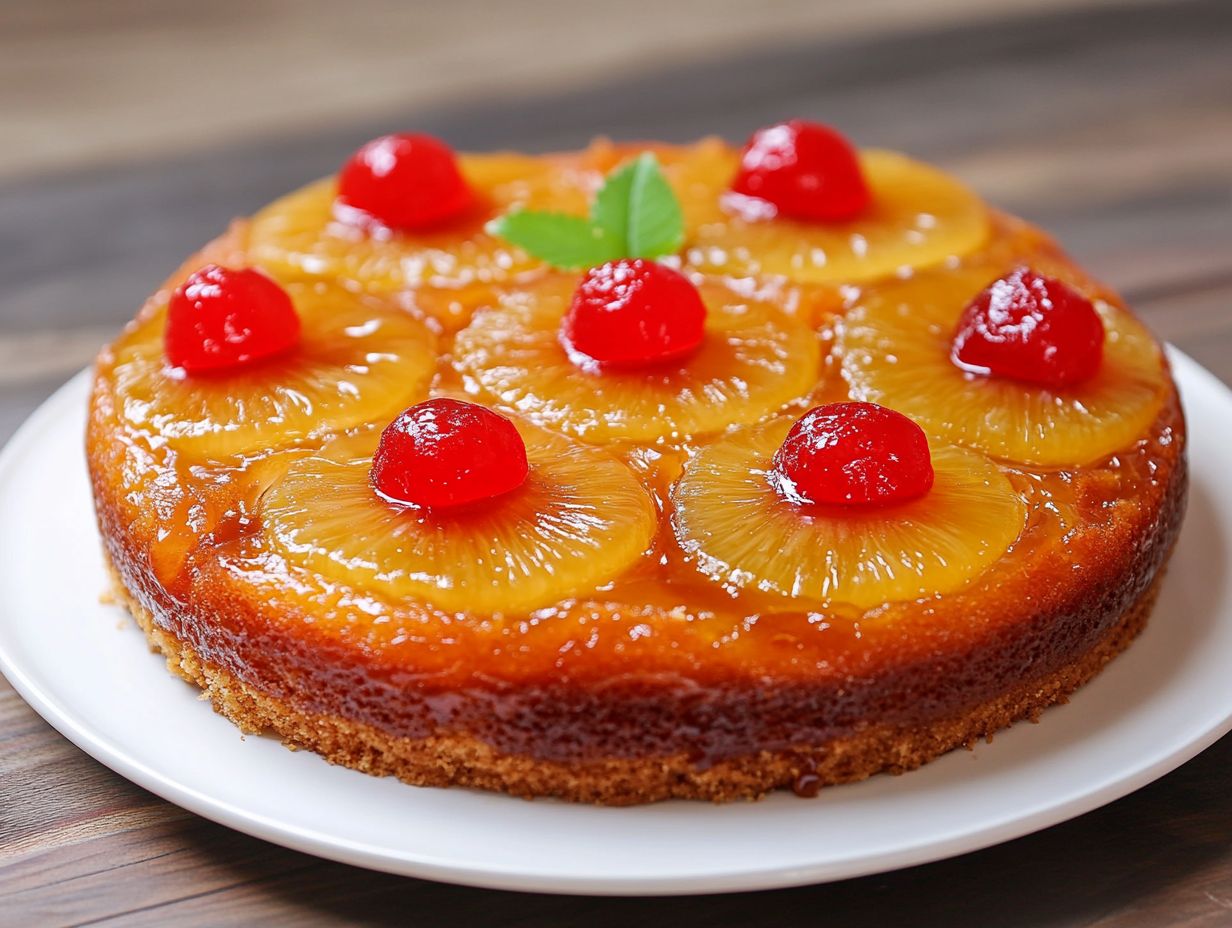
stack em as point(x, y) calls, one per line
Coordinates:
point(462, 760)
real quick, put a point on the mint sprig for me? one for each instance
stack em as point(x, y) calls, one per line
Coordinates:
point(635, 215)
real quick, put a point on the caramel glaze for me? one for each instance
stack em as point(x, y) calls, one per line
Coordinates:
point(659, 662)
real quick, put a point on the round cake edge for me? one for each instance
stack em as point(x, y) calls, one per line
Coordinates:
point(463, 760)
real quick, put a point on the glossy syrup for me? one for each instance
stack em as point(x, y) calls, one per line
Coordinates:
point(662, 614)
point(660, 625)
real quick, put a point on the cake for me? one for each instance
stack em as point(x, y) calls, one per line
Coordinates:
point(642, 472)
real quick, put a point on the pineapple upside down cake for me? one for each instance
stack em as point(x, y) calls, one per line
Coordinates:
point(639, 472)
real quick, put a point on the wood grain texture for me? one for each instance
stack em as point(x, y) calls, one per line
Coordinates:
point(1110, 125)
point(134, 77)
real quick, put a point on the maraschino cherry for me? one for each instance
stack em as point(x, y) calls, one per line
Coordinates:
point(1032, 328)
point(633, 312)
point(444, 452)
point(222, 318)
point(853, 454)
point(407, 182)
point(805, 170)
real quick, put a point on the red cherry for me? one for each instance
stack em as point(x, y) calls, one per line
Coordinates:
point(806, 170)
point(223, 317)
point(444, 452)
point(404, 181)
point(1027, 327)
point(633, 312)
point(853, 454)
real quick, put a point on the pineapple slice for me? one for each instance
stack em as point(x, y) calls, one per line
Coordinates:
point(580, 518)
point(449, 269)
point(741, 533)
point(752, 361)
point(895, 349)
point(920, 216)
point(357, 361)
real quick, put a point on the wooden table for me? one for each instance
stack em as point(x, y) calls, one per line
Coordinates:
point(1110, 124)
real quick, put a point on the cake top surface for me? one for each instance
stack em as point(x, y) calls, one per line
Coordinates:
point(699, 404)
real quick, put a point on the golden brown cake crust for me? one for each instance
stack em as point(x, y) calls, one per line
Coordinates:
point(460, 760)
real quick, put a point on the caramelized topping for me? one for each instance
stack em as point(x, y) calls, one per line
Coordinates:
point(1032, 328)
point(853, 454)
point(444, 452)
point(756, 534)
point(753, 360)
point(633, 312)
point(803, 170)
point(223, 318)
point(405, 182)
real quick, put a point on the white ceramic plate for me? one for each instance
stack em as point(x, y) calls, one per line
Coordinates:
point(86, 669)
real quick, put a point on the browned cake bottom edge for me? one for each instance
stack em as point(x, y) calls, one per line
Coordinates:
point(461, 760)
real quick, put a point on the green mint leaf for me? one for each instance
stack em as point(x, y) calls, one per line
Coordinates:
point(566, 242)
point(635, 215)
point(610, 210)
point(655, 224)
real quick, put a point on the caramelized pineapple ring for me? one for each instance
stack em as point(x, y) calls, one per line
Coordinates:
point(919, 216)
point(451, 266)
point(580, 518)
point(895, 347)
point(357, 361)
point(752, 361)
point(743, 534)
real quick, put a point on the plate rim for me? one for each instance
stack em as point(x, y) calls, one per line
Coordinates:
point(1012, 825)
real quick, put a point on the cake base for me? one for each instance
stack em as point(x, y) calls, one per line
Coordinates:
point(460, 760)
